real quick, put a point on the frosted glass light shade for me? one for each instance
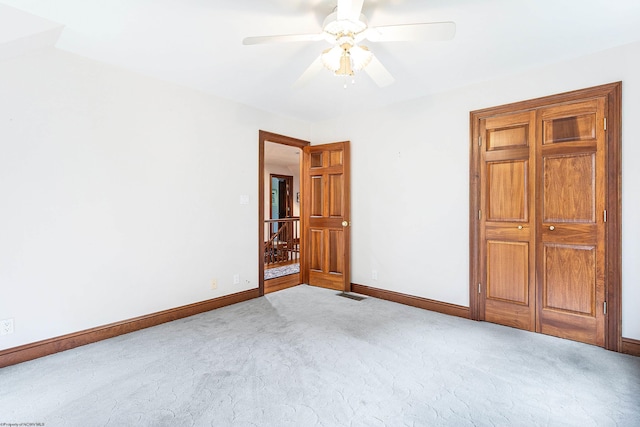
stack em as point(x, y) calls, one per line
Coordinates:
point(331, 58)
point(360, 57)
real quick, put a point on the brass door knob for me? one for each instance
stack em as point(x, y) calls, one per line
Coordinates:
point(519, 227)
point(345, 223)
point(551, 227)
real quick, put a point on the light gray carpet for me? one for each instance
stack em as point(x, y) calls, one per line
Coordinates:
point(307, 357)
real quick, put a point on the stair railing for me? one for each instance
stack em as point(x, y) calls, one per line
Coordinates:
point(283, 245)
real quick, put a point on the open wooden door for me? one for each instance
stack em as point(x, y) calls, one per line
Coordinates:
point(325, 216)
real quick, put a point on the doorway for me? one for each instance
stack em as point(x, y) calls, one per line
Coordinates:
point(279, 189)
point(545, 227)
point(281, 200)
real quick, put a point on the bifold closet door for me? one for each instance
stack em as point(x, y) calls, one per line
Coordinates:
point(507, 227)
point(542, 220)
point(571, 217)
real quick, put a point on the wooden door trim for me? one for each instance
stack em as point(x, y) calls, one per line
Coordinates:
point(264, 136)
point(34, 350)
point(613, 240)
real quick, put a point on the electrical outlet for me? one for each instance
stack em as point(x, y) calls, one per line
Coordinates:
point(374, 274)
point(6, 326)
point(236, 279)
point(214, 284)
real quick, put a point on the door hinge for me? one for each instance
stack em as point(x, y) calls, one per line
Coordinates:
point(479, 288)
point(479, 141)
point(604, 308)
point(605, 123)
point(479, 214)
point(605, 215)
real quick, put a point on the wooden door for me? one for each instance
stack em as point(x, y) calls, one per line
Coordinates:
point(545, 215)
point(507, 144)
point(325, 216)
point(571, 216)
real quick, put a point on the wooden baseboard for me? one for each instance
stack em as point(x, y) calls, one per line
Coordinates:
point(280, 283)
point(38, 349)
point(425, 303)
point(631, 346)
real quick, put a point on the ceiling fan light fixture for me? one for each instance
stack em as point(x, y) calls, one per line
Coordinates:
point(361, 56)
point(331, 58)
point(345, 65)
point(346, 28)
point(344, 60)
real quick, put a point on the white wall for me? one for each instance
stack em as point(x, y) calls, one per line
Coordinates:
point(116, 199)
point(410, 183)
point(120, 194)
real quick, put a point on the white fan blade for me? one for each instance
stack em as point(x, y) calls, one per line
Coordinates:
point(315, 67)
point(349, 9)
point(283, 39)
point(379, 73)
point(434, 31)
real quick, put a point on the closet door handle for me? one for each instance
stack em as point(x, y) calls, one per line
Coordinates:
point(551, 227)
point(519, 227)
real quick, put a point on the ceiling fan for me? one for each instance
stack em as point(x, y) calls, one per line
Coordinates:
point(346, 28)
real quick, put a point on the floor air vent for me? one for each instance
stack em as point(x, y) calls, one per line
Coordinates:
point(354, 297)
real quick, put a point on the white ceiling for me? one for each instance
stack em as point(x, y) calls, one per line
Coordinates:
point(281, 155)
point(198, 43)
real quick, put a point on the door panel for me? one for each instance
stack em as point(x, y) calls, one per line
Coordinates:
point(577, 127)
point(316, 159)
point(508, 271)
point(325, 215)
point(335, 191)
point(316, 195)
point(506, 190)
point(507, 137)
point(316, 250)
point(336, 157)
point(570, 305)
point(572, 180)
point(507, 202)
point(570, 277)
point(336, 248)
point(569, 188)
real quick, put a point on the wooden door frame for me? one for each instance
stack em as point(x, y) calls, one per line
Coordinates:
point(264, 136)
point(613, 239)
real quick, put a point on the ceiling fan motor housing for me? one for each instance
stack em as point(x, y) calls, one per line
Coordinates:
point(335, 27)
